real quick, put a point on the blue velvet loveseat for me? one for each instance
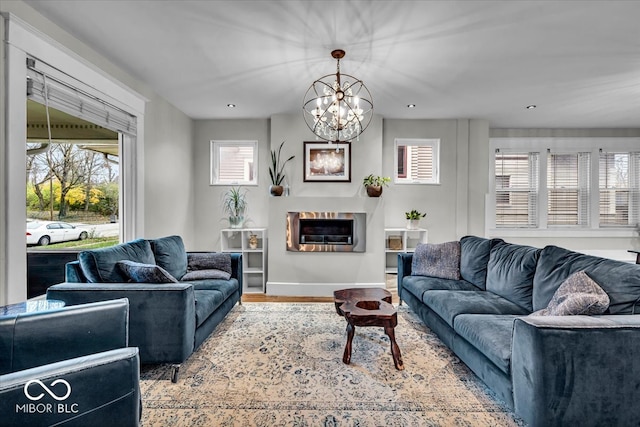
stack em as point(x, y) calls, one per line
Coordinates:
point(552, 370)
point(176, 298)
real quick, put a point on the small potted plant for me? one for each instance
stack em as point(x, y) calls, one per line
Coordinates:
point(276, 171)
point(374, 183)
point(234, 204)
point(413, 218)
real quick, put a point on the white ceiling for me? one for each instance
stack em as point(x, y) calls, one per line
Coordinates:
point(578, 61)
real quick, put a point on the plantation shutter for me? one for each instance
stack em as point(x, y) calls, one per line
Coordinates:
point(516, 188)
point(421, 162)
point(568, 189)
point(619, 187)
point(45, 88)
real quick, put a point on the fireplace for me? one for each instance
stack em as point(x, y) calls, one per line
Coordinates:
point(326, 231)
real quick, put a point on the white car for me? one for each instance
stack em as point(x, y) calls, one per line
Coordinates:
point(44, 232)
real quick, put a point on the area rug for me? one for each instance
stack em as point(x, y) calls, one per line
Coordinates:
point(280, 364)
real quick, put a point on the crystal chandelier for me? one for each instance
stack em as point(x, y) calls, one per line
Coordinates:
point(337, 107)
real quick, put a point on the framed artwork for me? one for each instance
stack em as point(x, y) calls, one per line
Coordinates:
point(327, 162)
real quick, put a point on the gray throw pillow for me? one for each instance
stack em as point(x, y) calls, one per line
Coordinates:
point(209, 261)
point(578, 294)
point(437, 260)
point(206, 274)
point(145, 273)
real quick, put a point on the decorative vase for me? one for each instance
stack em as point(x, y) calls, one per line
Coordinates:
point(253, 241)
point(276, 190)
point(236, 221)
point(413, 224)
point(374, 190)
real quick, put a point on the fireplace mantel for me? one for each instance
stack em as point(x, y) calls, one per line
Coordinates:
point(320, 273)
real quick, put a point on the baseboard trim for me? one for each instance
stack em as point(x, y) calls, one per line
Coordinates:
point(314, 289)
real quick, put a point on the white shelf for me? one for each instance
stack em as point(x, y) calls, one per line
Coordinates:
point(398, 240)
point(254, 261)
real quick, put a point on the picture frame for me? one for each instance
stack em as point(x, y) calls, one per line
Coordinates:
point(327, 162)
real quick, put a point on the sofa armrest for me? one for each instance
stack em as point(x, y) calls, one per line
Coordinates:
point(39, 338)
point(162, 320)
point(404, 269)
point(104, 391)
point(236, 269)
point(576, 370)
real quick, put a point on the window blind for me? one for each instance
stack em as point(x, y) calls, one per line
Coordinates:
point(619, 187)
point(568, 184)
point(516, 189)
point(44, 88)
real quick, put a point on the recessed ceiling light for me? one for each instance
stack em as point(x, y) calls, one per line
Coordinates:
point(231, 105)
point(411, 105)
point(530, 107)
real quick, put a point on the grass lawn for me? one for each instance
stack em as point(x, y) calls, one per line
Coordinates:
point(97, 242)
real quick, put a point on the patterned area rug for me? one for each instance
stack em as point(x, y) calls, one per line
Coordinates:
point(280, 364)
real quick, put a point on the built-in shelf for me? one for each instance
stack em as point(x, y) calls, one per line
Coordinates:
point(400, 240)
point(254, 260)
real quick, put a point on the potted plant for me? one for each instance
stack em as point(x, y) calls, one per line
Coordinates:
point(234, 204)
point(374, 183)
point(413, 218)
point(276, 171)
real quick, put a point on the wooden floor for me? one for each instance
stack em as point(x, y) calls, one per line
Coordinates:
point(391, 287)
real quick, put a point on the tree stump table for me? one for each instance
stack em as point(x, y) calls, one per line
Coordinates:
point(368, 307)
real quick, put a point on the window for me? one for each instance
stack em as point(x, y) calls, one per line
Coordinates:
point(516, 189)
point(619, 185)
point(234, 162)
point(417, 161)
point(565, 186)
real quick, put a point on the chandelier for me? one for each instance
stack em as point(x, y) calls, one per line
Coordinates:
point(337, 107)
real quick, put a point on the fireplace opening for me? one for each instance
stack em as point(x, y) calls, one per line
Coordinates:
point(326, 231)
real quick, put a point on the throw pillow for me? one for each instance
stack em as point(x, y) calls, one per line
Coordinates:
point(578, 294)
point(437, 260)
point(209, 261)
point(145, 273)
point(206, 274)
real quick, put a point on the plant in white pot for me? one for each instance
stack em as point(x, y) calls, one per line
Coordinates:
point(374, 183)
point(276, 171)
point(234, 204)
point(413, 219)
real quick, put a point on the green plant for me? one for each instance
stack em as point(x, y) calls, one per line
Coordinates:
point(376, 181)
point(414, 214)
point(234, 202)
point(276, 169)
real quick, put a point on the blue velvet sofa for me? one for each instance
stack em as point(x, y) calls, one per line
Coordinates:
point(69, 367)
point(551, 370)
point(168, 321)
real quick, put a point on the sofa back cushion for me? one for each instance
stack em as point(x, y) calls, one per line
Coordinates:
point(170, 254)
point(620, 280)
point(99, 265)
point(474, 257)
point(510, 272)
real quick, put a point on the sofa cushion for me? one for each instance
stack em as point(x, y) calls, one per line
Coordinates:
point(449, 304)
point(206, 274)
point(437, 260)
point(227, 287)
point(207, 302)
point(209, 261)
point(170, 254)
point(510, 272)
point(490, 334)
point(99, 265)
point(418, 285)
point(620, 280)
point(579, 294)
point(145, 273)
point(474, 257)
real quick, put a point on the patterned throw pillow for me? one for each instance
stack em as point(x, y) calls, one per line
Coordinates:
point(578, 294)
point(437, 260)
point(145, 273)
point(209, 261)
point(206, 274)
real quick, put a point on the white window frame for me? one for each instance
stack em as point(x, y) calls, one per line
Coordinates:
point(434, 143)
point(215, 146)
point(558, 145)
